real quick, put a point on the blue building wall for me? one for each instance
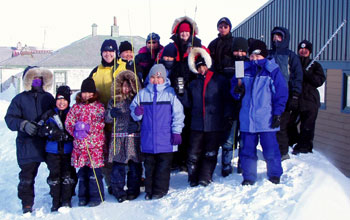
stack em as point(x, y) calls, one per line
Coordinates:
point(313, 20)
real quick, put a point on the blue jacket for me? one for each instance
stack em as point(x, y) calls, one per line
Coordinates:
point(163, 115)
point(53, 146)
point(28, 105)
point(266, 94)
point(288, 61)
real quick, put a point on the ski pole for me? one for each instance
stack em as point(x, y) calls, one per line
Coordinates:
point(114, 101)
point(93, 169)
point(326, 44)
point(195, 13)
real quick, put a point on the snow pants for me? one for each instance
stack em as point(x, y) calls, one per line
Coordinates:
point(157, 171)
point(304, 138)
point(248, 154)
point(282, 135)
point(229, 145)
point(26, 182)
point(133, 178)
point(61, 178)
point(202, 155)
point(88, 189)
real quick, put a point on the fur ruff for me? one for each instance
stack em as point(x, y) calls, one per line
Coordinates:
point(38, 72)
point(182, 19)
point(128, 76)
point(196, 51)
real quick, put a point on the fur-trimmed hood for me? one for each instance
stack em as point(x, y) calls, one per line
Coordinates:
point(128, 76)
point(37, 72)
point(195, 52)
point(180, 20)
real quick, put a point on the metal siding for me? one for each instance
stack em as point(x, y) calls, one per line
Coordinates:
point(314, 20)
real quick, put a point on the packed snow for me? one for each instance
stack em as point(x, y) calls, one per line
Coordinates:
point(311, 188)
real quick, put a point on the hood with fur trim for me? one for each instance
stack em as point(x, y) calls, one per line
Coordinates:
point(196, 51)
point(178, 21)
point(37, 72)
point(128, 76)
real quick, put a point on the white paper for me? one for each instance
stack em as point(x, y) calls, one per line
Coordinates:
point(239, 66)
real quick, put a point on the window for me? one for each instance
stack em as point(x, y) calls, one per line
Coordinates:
point(60, 78)
point(346, 92)
point(322, 91)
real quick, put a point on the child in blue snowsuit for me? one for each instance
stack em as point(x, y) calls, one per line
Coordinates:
point(162, 122)
point(265, 94)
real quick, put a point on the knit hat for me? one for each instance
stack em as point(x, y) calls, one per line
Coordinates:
point(169, 51)
point(158, 70)
point(258, 47)
point(153, 36)
point(224, 20)
point(240, 44)
point(305, 44)
point(109, 45)
point(88, 85)
point(200, 62)
point(124, 46)
point(184, 27)
point(63, 92)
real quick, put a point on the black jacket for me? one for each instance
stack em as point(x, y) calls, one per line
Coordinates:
point(221, 52)
point(313, 78)
point(28, 105)
point(215, 103)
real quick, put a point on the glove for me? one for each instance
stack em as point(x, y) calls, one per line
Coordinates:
point(139, 110)
point(115, 112)
point(239, 90)
point(176, 139)
point(44, 131)
point(133, 127)
point(293, 103)
point(59, 135)
point(228, 123)
point(30, 128)
point(81, 130)
point(276, 121)
point(81, 126)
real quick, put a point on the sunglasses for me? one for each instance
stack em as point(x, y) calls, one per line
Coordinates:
point(153, 42)
point(223, 26)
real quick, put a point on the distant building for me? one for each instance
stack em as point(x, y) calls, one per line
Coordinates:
point(316, 20)
point(70, 64)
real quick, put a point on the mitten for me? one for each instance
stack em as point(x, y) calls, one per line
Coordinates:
point(176, 139)
point(139, 110)
point(293, 103)
point(276, 121)
point(115, 112)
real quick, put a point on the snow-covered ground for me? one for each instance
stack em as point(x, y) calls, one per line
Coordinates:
point(311, 188)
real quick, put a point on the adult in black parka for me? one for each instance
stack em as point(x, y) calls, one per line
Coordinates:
point(22, 116)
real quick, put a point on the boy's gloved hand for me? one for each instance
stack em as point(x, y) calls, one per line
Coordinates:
point(133, 127)
point(115, 112)
point(30, 128)
point(44, 131)
point(276, 121)
point(139, 110)
point(59, 135)
point(176, 139)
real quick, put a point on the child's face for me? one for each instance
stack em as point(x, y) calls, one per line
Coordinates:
point(256, 57)
point(126, 88)
point(202, 69)
point(87, 95)
point(156, 80)
point(61, 104)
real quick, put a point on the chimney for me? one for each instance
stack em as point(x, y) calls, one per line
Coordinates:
point(94, 29)
point(114, 28)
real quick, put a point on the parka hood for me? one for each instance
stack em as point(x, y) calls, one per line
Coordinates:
point(180, 20)
point(128, 76)
point(284, 44)
point(37, 72)
point(195, 52)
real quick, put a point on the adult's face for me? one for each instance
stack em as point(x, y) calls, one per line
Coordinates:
point(277, 37)
point(152, 43)
point(239, 53)
point(224, 29)
point(185, 35)
point(108, 56)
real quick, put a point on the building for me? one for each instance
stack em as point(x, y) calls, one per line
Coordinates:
point(70, 64)
point(316, 21)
